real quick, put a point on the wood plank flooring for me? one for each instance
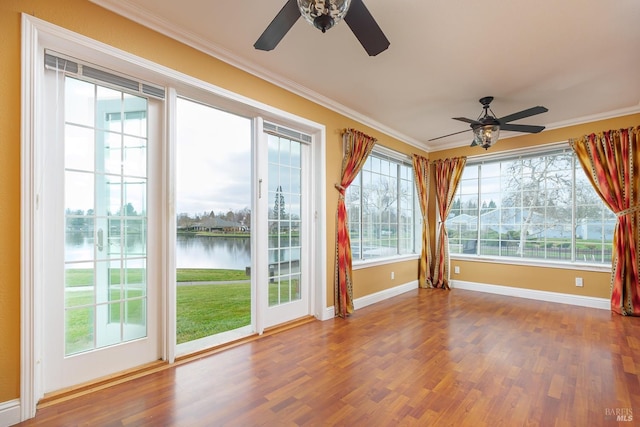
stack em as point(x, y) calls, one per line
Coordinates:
point(426, 357)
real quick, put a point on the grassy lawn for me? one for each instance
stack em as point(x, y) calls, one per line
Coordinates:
point(202, 310)
point(203, 275)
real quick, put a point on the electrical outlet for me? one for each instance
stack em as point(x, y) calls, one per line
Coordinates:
point(456, 269)
point(579, 281)
point(393, 275)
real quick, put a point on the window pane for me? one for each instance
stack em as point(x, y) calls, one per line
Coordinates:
point(539, 207)
point(381, 209)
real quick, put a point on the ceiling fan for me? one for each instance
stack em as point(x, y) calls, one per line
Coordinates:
point(486, 128)
point(324, 14)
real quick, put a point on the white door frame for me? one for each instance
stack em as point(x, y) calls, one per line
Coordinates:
point(37, 35)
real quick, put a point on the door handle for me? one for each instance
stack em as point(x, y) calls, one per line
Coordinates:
point(100, 239)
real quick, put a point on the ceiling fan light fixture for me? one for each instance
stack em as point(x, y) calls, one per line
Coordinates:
point(486, 134)
point(323, 14)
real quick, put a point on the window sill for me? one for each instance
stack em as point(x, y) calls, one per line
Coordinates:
point(604, 268)
point(357, 265)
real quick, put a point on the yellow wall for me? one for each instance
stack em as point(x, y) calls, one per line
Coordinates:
point(88, 19)
point(596, 284)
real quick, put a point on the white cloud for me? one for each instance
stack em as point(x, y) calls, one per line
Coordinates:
point(213, 159)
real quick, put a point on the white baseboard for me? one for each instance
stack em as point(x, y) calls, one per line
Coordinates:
point(358, 303)
point(9, 413)
point(362, 302)
point(328, 313)
point(583, 301)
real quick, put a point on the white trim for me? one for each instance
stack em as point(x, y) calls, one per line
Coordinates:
point(169, 293)
point(634, 109)
point(384, 151)
point(318, 295)
point(29, 370)
point(328, 313)
point(577, 266)
point(364, 301)
point(9, 413)
point(259, 221)
point(556, 297)
point(358, 303)
point(374, 262)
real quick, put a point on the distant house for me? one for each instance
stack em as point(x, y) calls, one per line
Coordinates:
point(214, 224)
point(463, 222)
point(595, 230)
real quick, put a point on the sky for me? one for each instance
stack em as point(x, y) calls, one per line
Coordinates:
point(213, 160)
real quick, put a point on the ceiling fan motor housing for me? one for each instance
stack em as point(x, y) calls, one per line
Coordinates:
point(486, 101)
point(323, 22)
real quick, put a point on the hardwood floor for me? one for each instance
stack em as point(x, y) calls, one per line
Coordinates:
point(426, 357)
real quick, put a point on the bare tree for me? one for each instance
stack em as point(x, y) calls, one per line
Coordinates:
point(539, 186)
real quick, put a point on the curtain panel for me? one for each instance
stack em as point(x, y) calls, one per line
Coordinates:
point(357, 147)
point(611, 161)
point(447, 177)
point(421, 172)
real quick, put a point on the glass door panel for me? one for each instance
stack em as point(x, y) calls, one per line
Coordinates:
point(285, 288)
point(105, 210)
point(284, 220)
point(213, 242)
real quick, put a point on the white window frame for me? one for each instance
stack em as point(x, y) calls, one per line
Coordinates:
point(400, 158)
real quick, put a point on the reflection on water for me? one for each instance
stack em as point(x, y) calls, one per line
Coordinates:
point(213, 252)
point(191, 251)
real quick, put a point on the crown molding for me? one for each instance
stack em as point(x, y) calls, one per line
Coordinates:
point(595, 117)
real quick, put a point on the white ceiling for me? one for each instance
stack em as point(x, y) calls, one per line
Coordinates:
point(578, 58)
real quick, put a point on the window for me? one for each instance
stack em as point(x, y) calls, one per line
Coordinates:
point(381, 207)
point(538, 205)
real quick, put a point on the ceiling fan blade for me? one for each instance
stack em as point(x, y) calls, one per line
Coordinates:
point(451, 134)
point(522, 128)
point(464, 119)
point(365, 28)
point(522, 114)
point(280, 25)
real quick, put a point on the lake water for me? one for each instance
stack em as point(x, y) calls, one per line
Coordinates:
point(191, 251)
point(213, 252)
point(230, 253)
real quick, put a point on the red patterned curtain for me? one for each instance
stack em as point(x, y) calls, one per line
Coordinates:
point(421, 173)
point(358, 146)
point(611, 161)
point(448, 173)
